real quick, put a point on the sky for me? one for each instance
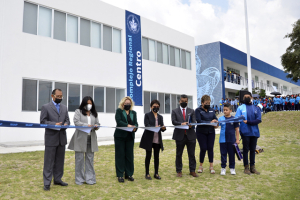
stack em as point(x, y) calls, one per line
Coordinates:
point(224, 20)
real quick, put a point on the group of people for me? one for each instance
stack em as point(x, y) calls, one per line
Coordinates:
point(233, 102)
point(232, 77)
point(85, 144)
point(280, 103)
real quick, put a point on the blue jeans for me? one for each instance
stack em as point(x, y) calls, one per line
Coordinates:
point(249, 144)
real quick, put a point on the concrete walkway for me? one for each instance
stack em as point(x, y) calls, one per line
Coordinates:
point(29, 146)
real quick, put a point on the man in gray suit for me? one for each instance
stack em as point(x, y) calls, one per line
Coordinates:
point(54, 113)
point(181, 116)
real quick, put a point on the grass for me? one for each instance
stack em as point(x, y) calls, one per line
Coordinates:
point(21, 173)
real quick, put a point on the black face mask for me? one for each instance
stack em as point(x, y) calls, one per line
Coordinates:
point(206, 107)
point(127, 107)
point(155, 109)
point(247, 100)
point(57, 100)
point(183, 104)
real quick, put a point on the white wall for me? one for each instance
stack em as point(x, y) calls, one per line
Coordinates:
point(30, 56)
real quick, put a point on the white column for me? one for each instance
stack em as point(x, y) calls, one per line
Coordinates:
point(248, 50)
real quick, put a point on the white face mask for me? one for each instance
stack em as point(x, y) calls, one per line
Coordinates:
point(89, 107)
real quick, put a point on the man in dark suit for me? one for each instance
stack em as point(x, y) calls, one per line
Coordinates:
point(181, 116)
point(54, 113)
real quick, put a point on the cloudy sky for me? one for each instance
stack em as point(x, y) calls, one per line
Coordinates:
point(223, 20)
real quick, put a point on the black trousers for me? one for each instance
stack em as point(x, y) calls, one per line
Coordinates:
point(156, 149)
point(249, 144)
point(54, 159)
point(206, 143)
point(190, 144)
point(227, 148)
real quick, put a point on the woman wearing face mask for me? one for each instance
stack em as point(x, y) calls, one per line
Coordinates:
point(152, 139)
point(124, 140)
point(85, 144)
point(206, 134)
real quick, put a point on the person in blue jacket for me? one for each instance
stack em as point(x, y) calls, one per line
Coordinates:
point(298, 102)
point(221, 105)
point(292, 102)
point(276, 103)
point(283, 103)
point(287, 99)
point(249, 131)
point(225, 74)
point(268, 108)
point(272, 103)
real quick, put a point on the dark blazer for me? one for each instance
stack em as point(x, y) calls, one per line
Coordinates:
point(49, 115)
point(205, 117)
point(147, 138)
point(121, 119)
point(177, 119)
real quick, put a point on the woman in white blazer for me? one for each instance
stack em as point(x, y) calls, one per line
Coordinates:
point(85, 144)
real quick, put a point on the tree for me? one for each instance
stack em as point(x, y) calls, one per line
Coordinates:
point(291, 59)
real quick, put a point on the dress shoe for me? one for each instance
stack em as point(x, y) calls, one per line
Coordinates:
point(121, 179)
point(47, 187)
point(148, 177)
point(61, 183)
point(194, 174)
point(179, 174)
point(157, 176)
point(130, 178)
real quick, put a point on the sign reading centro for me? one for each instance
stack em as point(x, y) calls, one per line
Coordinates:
point(134, 58)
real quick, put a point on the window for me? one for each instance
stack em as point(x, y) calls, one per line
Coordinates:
point(152, 56)
point(188, 60)
point(246, 75)
point(96, 35)
point(177, 57)
point(45, 21)
point(87, 91)
point(85, 32)
point(146, 102)
point(161, 99)
point(117, 41)
point(30, 18)
point(110, 100)
point(29, 95)
point(153, 96)
point(284, 88)
point(172, 56)
point(72, 29)
point(183, 59)
point(63, 87)
point(167, 103)
point(256, 78)
point(74, 97)
point(190, 102)
point(59, 26)
point(145, 49)
point(159, 52)
point(99, 98)
point(120, 94)
point(45, 91)
point(174, 101)
point(107, 38)
point(165, 54)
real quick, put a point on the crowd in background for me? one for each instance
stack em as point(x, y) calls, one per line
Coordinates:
point(232, 77)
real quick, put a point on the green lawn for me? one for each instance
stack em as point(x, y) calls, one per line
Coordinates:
point(21, 173)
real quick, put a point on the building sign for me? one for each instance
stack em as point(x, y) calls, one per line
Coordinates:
point(134, 58)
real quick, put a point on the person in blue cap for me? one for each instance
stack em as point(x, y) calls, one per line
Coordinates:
point(292, 102)
point(249, 131)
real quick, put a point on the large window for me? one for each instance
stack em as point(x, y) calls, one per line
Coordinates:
point(36, 93)
point(39, 20)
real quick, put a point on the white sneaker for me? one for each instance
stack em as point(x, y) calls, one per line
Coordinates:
point(223, 171)
point(232, 171)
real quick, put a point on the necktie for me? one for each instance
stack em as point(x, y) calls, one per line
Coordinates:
point(183, 113)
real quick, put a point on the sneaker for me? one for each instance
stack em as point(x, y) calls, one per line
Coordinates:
point(232, 171)
point(223, 171)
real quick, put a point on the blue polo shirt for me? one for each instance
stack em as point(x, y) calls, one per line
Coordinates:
point(227, 133)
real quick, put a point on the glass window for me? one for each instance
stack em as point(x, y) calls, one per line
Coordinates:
point(59, 26)
point(45, 90)
point(110, 100)
point(29, 95)
point(107, 38)
point(117, 41)
point(152, 50)
point(178, 99)
point(87, 91)
point(190, 102)
point(256, 78)
point(30, 18)
point(74, 97)
point(72, 29)
point(183, 59)
point(188, 60)
point(99, 98)
point(159, 52)
point(161, 99)
point(145, 49)
point(246, 75)
point(174, 101)
point(120, 94)
point(146, 102)
point(153, 96)
point(45, 21)
point(165, 54)
point(172, 56)
point(63, 87)
point(177, 57)
point(96, 35)
point(167, 103)
point(85, 32)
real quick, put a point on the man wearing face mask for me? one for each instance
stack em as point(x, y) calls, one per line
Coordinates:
point(181, 116)
point(54, 113)
point(249, 131)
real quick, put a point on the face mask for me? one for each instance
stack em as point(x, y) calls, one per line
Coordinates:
point(89, 107)
point(206, 107)
point(127, 107)
point(57, 100)
point(247, 100)
point(155, 109)
point(183, 104)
